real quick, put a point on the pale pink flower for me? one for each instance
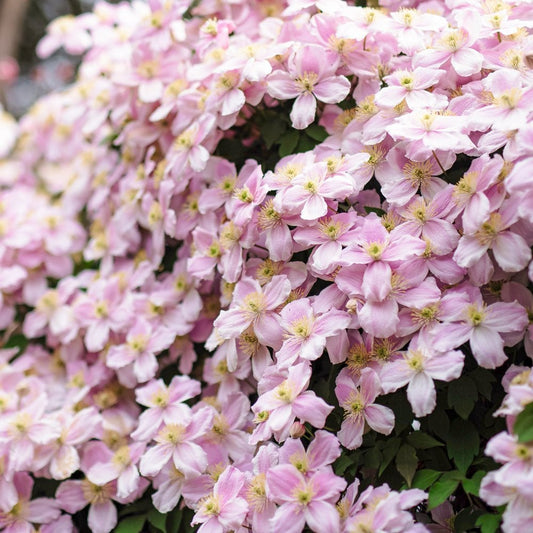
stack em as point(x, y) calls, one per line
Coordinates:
point(426, 131)
point(306, 331)
point(76, 429)
point(101, 310)
point(276, 409)
point(411, 86)
point(25, 512)
point(308, 193)
point(224, 509)
point(510, 102)
point(175, 442)
point(328, 236)
point(120, 465)
point(26, 429)
point(454, 46)
point(468, 318)
point(323, 450)
point(142, 343)
point(304, 500)
point(417, 368)
point(357, 399)
point(255, 305)
point(165, 404)
point(187, 148)
point(510, 249)
point(310, 77)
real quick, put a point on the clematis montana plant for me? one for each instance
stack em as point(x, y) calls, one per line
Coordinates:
point(267, 265)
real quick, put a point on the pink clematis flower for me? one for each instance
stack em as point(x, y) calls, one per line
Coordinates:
point(308, 192)
point(306, 332)
point(411, 86)
point(176, 442)
point(277, 408)
point(255, 305)
point(165, 404)
point(454, 46)
point(224, 509)
point(417, 368)
point(304, 500)
point(142, 343)
point(25, 512)
point(357, 400)
point(310, 77)
point(467, 318)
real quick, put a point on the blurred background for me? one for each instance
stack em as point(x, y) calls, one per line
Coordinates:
point(23, 76)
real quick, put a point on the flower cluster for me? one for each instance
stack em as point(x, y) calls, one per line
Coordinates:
point(217, 287)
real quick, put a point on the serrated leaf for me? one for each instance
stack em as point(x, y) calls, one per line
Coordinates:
point(440, 491)
point(131, 524)
point(462, 396)
point(389, 452)
point(471, 486)
point(462, 443)
point(425, 478)
point(523, 426)
point(157, 519)
point(406, 462)
point(288, 143)
point(272, 131)
point(489, 523)
point(422, 440)
point(316, 132)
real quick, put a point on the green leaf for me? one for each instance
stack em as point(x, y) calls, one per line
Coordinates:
point(316, 132)
point(380, 212)
point(440, 491)
point(372, 458)
point(425, 478)
point(422, 440)
point(484, 379)
point(288, 143)
point(465, 520)
point(305, 144)
point(489, 523)
point(471, 486)
point(157, 519)
point(523, 426)
point(341, 464)
point(462, 396)
point(406, 462)
point(463, 443)
point(173, 521)
point(131, 524)
point(272, 130)
point(389, 452)
point(439, 423)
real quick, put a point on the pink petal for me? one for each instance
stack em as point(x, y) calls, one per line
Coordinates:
point(421, 394)
point(487, 347)
point(282, 480)
point(322, 516)
point(379, 418)
point(102, 517)
point(511, 251)
point(332, 90)
point(303, 111)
